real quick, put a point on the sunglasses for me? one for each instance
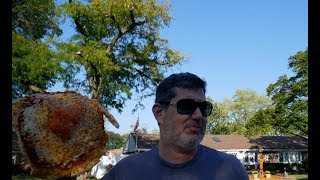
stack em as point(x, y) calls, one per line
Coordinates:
point(188, 106)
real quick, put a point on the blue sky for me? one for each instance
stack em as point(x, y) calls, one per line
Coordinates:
point(233, 45)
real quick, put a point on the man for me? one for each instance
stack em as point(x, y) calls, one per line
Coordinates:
point(181, 112)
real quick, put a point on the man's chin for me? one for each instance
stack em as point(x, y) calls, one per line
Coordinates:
point(193, 136)
point(190, 141)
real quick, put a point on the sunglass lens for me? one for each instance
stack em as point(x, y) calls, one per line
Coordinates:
point(186, 106)
point(205, 108)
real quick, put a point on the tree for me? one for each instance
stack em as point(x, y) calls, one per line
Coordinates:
point(115, 141)
point(232, 115)
point(118, 46)
point(155, 131)
point(125, 136)
point(33, 62)
point(290, 97)
point(261, 123)
point(243, 106)
point(34, 19)
point(143, 130)
point(33, 65)
point(218, 120)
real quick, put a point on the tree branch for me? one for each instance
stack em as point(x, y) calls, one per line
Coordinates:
point(133, 25)
point(78, 24)
point(154, 81)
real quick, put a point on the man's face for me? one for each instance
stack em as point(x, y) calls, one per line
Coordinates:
point(181, 130)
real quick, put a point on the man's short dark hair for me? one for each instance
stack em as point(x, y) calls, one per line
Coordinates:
point(167, 88)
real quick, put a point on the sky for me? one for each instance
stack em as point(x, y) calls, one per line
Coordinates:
point(238, 44)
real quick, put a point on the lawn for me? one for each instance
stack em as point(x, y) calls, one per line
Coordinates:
point(300, 176)
point(277, 177)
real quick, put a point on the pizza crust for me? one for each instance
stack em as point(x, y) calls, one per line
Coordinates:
point(61, 134)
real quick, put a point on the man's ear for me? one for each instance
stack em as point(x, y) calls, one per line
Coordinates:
point(158, 112)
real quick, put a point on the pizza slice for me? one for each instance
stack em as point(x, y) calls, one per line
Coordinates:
point(61, 134)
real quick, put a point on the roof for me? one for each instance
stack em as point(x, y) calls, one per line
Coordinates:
point(114, 151)
point(145, 142)
point(226, 142)
point(264, 143)
point(280, 142)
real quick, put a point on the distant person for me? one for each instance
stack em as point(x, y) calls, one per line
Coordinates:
point(181, 111)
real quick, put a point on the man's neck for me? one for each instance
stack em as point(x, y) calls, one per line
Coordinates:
point(173, 155)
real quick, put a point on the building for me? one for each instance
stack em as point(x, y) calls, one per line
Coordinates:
point(279, 152)
point(106, 162)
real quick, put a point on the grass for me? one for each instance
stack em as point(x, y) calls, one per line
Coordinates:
point(277, 177)
point(300, 176)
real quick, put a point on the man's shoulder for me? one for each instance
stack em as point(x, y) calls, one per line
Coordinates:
point(132, 166)
point(229, 162)
point(210, 151)
point(138, 158)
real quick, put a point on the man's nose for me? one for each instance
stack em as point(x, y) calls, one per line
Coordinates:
point(197, 113)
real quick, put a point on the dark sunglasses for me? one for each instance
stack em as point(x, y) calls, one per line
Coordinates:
point(188, 106)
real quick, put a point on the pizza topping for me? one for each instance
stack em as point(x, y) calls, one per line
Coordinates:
point(63, 121)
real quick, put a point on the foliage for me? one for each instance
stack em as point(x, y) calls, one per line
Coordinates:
point(290, 97)
point(115, 141)
point(33, 19)
point(218, 120)
point(299, 176)
point(260, 124)
point(143, 130)
point(242, 108)
point(125, 136)
point(33, 62)
point(232, 116)
point(155, 131)
point(118, 46)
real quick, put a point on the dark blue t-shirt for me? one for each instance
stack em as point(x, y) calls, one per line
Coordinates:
point(207, 164)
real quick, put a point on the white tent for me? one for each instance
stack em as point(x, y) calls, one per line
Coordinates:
point(100, 169)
